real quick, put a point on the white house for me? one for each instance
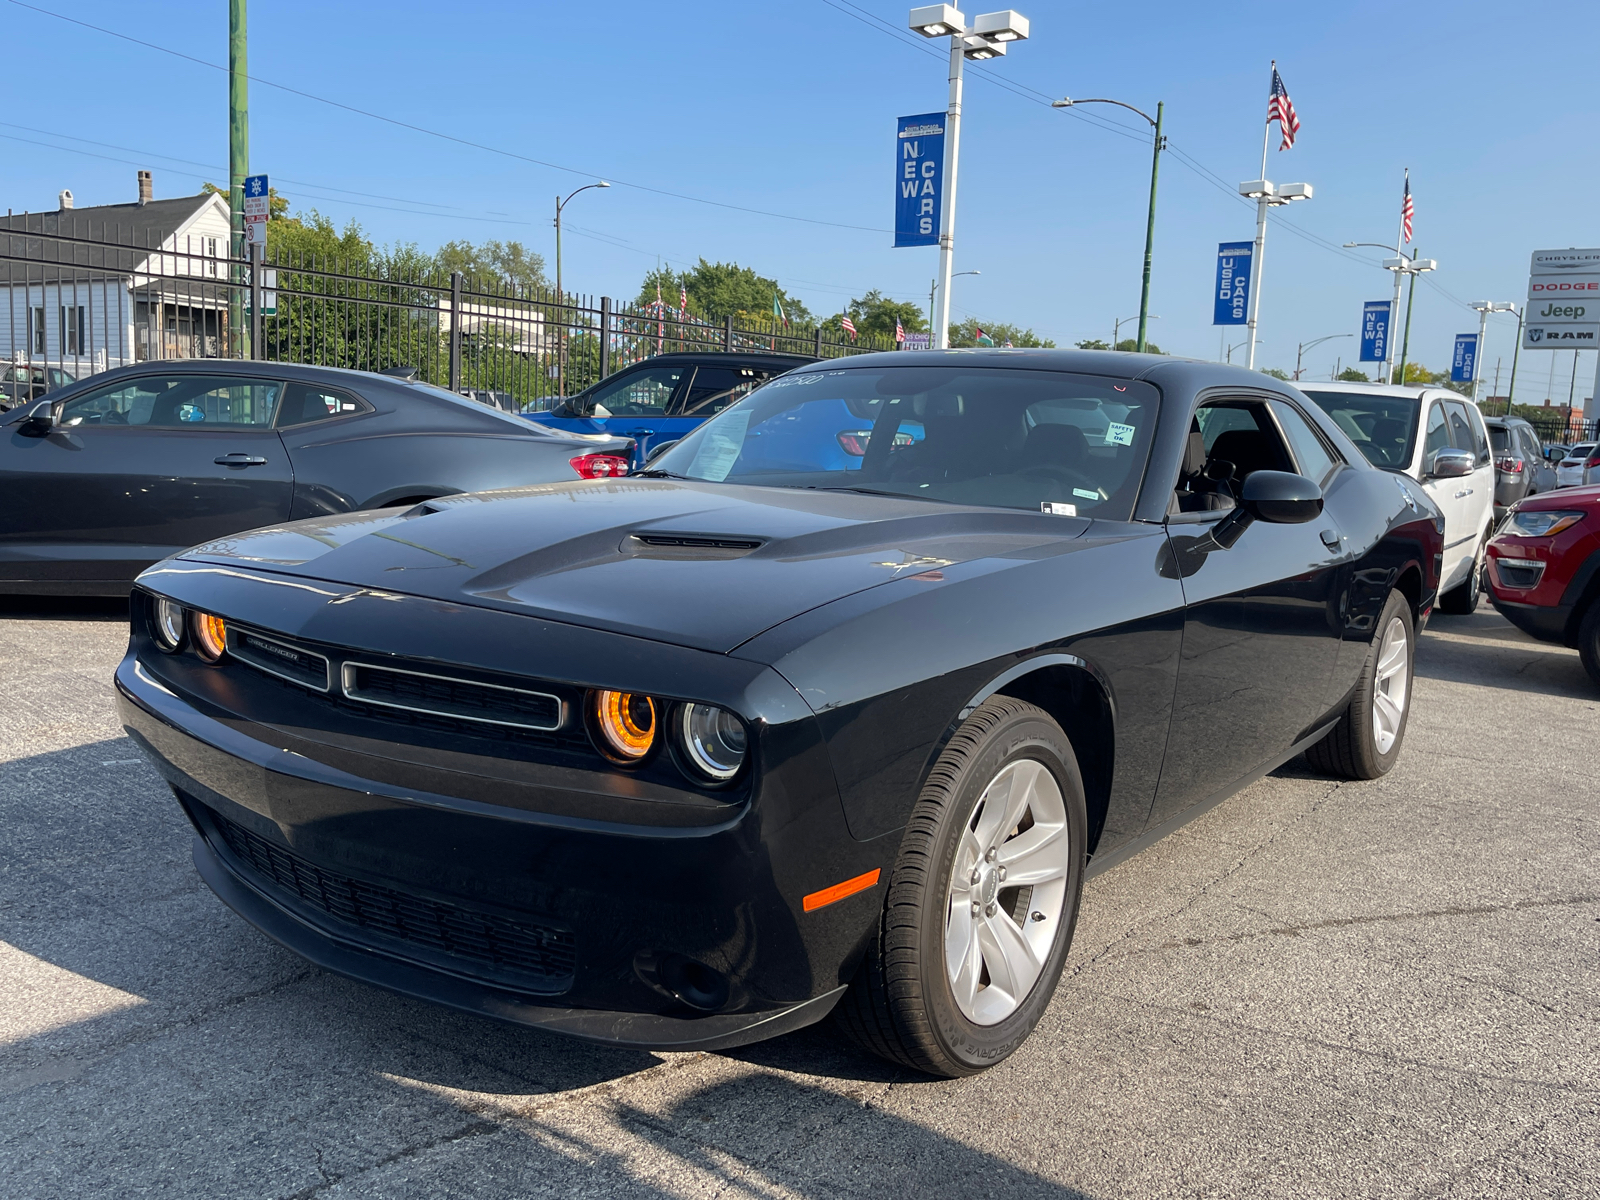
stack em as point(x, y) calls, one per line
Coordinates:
point(91, 288)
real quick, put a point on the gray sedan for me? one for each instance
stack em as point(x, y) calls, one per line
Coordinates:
point(114, 472)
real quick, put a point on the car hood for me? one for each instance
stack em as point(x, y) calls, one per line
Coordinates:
point(702, 565)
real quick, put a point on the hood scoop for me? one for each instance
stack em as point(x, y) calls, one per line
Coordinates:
point(688, 545)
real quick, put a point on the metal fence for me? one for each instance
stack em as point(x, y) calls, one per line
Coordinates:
point(72, 304)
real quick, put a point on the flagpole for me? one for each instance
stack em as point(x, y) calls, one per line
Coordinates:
point(1258, 260)
point(1394, 309)
point(1266, 132)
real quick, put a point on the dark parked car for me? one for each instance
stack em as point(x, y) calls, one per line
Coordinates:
point(105, 477)
point(19, 384)
point(1520, 466)
point(691, 759)
point(662, 398)
point(1544, 571)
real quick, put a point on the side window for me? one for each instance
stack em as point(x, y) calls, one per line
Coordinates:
point(637, 393)
point(1531, 444)
point(178, 402)
point(1316, 461)
point(1438, 435)
point(305, 402)
point(1461, 435)
point(1227, 441)
point(715, 388)
point(1480, 435)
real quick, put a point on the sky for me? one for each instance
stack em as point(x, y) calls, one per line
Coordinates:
point(700, 113)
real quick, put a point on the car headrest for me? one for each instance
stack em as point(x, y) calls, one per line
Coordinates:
point(1055, 446)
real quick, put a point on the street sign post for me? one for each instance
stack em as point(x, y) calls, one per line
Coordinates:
point(1563, 310)
point(1464, 362)
point(919, 180)
point(257, 205)
point(1231, 296)
point(1376, 316)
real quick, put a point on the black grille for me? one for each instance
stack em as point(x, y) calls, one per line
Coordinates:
point(460, 698)
point(697, 542)
point(506, 946)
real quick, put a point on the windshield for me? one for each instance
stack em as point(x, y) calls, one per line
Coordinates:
point(1072, 445)
point(1384, 428)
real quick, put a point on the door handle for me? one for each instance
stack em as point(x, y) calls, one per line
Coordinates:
point(1330, 539)
point(644, 433)
point(1467, 492)
point(240, 459)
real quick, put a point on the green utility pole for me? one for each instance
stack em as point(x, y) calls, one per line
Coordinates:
point(238, 168)
point(1511, 390)
point(1405, 342)
point(1150, 232)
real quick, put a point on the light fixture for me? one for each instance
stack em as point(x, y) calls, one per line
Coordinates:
point(1007, 25)
point(977, 49)
point(1295, 191)
point(625, 723)
point(1424, 264)
point(1396, 264)
point(210, 636)
point(937, 20)
point(1257, 188)
point(168, 625)
point(712, 740)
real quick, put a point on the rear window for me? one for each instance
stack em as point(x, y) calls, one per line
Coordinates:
point(1499, 438)
point(1583, 451)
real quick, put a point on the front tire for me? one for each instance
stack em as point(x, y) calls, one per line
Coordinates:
point(1462, 600)
point(1589, 640)
point(1366, 741)
point(981, 902)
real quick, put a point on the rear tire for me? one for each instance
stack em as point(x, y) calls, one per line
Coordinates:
point(957, 937)
point(1462, 600)
point(1589, 640)
point(1367, 740)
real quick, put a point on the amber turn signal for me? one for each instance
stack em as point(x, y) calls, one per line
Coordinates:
point(832, 895)
point(625, 722)
point(210, 636)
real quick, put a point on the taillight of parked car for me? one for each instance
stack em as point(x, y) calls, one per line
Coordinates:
point(1542, 522)
point(854, 441)
point(1510, 465)
point(599, 466)
point(1594, 461)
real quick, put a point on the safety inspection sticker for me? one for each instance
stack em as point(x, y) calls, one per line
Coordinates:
point(1056, 509)
point(1119, 435)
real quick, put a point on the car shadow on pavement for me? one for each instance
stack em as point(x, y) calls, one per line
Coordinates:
point(63, 608)
point(152, 1022)
point(1490, 652)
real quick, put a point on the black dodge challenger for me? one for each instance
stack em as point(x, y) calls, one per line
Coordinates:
point(694, 757)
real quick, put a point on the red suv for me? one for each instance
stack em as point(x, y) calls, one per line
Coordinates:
point(1544, 570)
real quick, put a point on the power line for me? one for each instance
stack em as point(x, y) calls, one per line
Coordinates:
point(375, 116)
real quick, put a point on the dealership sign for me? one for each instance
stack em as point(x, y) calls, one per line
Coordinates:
point(1231, 295)
point(1375, 330)
point(1563, 310)
point(918, 179)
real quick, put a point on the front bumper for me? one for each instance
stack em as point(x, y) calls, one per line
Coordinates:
point(570, 925)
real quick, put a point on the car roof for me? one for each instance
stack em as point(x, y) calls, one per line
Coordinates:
point(713, 357)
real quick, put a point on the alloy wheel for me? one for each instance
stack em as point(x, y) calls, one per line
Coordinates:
point(1391, 684)
point(1007, 892)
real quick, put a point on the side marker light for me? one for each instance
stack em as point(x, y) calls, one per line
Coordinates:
point(839, 891)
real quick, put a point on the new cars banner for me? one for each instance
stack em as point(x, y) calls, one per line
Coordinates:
point(919, 180)
point(1231, 296)
point(1375, 316)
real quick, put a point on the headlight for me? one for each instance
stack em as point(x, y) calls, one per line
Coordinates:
point(210, 636)
point(1543, 522)
point(625, 723)
point(713, 741)
point(168, 625)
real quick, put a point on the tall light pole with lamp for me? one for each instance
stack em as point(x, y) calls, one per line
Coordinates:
point(561, 296)
point(1401, 266)
point(988, 38)
point(1304, 346)
point(934, 291)
point(1267, 195)
point(1150, 221)
point(1484, 307)
point(1116, 329)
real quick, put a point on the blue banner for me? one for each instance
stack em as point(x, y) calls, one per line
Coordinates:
point(1464, 362)
point(1232, 293)
point(919, 180)
point(1375, 316)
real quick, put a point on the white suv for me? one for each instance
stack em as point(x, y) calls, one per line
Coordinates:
point(1437, 437)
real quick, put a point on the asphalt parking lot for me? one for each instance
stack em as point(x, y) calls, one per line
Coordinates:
point(1317, 989)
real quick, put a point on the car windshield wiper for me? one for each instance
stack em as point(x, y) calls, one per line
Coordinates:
point(866, 491)
point(658, 473)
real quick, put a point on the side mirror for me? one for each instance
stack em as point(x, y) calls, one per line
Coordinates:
point(41, 419)
point(1276, 497)
point(1450, 464)
point(659, 449)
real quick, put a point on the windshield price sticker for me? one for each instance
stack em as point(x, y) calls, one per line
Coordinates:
point(1118, 434)
point(720, 445)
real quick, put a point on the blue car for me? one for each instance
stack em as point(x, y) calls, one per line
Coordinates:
point(662, 398)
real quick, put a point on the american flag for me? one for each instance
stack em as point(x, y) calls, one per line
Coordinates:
point(899, 331)
point(1281, 109)
point(848, 326)
point(1407, 211)
point(683, 300)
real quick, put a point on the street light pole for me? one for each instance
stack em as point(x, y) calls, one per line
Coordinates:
point(1484, 307)
point(988, 37)
point(1304, 346)
point(561, 296)
point(1511, 388)
point(1405, 343)
point(933, 291)
point(1150, 220)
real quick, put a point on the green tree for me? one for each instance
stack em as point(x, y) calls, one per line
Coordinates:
point(720, 290)
point(1129, 345)
point(1093, 344)
point(1276, 373)
point(494, 261)
point(998, 333)
point(277, 206)
point(874, 316)
point(1351, 375)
